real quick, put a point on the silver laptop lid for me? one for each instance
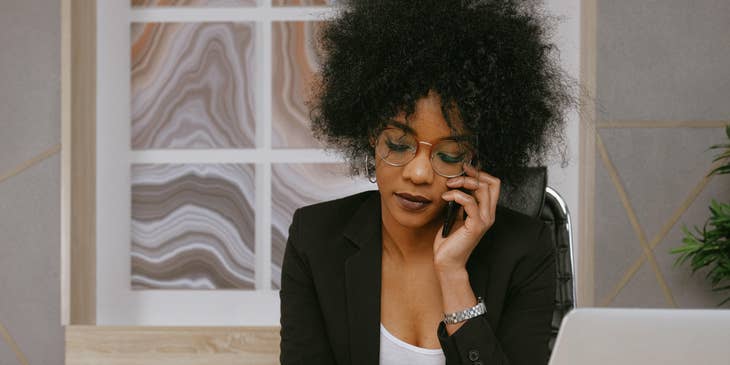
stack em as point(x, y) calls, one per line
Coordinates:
point(623, 336)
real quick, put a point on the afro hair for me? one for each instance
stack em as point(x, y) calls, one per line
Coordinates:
point(489, 61)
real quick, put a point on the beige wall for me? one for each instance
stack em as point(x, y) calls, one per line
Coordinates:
point(662, 82)
point(30, 324)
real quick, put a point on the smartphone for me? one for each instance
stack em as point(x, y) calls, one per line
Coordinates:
point(451, 210)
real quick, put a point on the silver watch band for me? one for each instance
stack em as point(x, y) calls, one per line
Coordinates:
point(461, 316)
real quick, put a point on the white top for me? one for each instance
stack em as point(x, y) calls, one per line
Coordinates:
point(394, 351)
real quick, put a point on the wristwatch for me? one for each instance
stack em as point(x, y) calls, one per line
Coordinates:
point(461, 316)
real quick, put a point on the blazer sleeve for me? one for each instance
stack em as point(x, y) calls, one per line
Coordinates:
point(524, 329)
point(303, 336)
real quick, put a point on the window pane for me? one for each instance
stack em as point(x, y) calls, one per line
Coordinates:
point(192, 226)
point(192, 85)
point(193, 2)
point(295, 61)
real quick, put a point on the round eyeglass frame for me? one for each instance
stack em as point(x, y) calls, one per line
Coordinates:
point(432, 155)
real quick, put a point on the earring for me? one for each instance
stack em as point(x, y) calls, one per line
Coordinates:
point(367, 171)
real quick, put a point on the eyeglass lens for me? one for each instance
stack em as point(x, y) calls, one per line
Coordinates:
point(397, 147)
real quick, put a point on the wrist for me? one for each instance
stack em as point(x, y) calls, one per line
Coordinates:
point(452, 274)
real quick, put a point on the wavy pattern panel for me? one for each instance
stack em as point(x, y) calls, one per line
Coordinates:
point(295, 60)
point(193, 226)
point(303, 2)
point(296, 185)
point(193, 2)
point(192, 85)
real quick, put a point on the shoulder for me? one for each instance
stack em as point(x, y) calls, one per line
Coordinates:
point(518, 235)
point(517, 250)
point(517, 226)
point(332, 213)
point(318, 224)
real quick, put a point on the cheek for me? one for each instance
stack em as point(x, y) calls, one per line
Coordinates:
point(438, 190)
point(386, 175)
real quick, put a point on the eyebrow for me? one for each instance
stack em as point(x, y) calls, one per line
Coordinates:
point(409, 129)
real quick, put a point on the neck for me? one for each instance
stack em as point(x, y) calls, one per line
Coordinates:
point(407, 243)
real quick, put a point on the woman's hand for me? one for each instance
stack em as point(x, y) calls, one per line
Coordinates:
point(452, 252)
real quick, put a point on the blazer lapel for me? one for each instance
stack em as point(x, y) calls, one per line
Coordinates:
point(363, 281)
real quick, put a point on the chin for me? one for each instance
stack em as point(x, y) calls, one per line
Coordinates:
point(413, 220)
point(410, 222)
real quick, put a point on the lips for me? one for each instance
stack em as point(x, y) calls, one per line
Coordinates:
point(414, 198)
point(411, 202)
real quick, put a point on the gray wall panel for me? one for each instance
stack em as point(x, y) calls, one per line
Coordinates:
point(30, 262)
point(30, 88)
point(642, 291)
point(30, 39)
point(616, 242)
point(659, 167)
point(658, 61)
point(664, 60)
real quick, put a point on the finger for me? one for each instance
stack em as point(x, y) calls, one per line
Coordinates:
point(468, 182)
point(485, 187)
point(468, 203)
point(480, 191)
point(494, 185)
point(480, 174)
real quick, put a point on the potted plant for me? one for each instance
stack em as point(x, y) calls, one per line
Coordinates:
point(710, 246)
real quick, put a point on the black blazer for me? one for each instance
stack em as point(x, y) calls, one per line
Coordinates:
point(331, 277)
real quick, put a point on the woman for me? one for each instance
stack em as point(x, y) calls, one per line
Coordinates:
point(439, 101)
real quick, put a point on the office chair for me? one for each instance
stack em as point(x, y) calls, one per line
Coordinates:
point(534, 198)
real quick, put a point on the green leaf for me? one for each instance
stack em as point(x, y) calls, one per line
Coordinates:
point(720, 170)
point(721, 289)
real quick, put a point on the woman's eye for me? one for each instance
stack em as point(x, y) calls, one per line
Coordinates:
point(397, 147)
point(445, 157)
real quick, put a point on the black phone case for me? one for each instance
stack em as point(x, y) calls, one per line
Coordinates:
point(451, 210)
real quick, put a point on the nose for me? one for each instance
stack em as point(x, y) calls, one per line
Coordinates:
point(419, 169)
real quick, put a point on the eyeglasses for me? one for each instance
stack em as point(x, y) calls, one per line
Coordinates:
point(397, 147)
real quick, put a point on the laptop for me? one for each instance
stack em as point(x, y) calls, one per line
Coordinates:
point(627, 336)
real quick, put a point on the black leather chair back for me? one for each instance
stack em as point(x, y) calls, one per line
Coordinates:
point(533, 197)
point(556, 215)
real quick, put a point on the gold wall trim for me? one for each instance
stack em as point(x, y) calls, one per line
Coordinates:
point(78, 162)
point(613, 173)
point(686, 203)
point(30, 162)
point(65, 215)
point(663, 124)
point(587, 159)
point(13, 345)
point(148, 345)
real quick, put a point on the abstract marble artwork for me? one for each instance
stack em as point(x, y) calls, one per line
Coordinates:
point(193, 2)
point(192, 226)
point(295, 59)
point(297, 185)
point(192, 85)
point(303, 2)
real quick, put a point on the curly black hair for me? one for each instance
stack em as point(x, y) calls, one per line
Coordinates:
point(489, 61)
